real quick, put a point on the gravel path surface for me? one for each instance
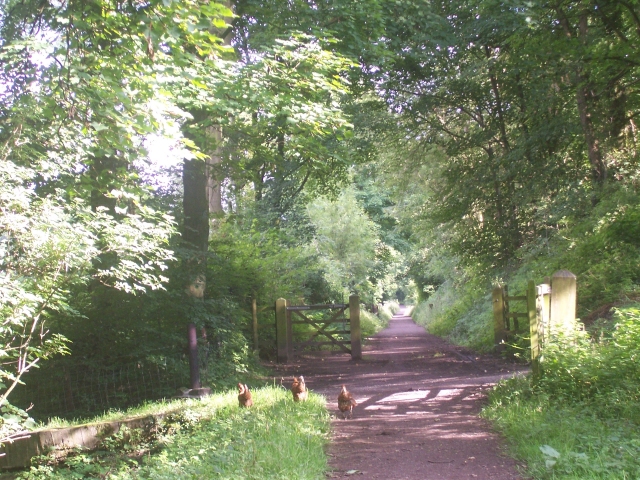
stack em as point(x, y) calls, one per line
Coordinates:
point(418, 402)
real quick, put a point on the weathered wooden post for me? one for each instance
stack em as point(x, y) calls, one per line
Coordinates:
point(562, 311)
point(354, 320)
point(281, 330)
point(533, 327)
point(289, 334)
point(194, 369)
point(499, 334)
point(543, 301)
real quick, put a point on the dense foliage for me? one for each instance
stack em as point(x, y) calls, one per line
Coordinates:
point(106, 257)
point(396, 150)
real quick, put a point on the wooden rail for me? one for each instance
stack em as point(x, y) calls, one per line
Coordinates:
point(286, 313)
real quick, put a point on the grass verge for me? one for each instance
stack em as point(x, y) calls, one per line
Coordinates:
point(210, 438)
point(563, 440)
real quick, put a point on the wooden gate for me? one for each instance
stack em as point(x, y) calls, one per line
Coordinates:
point(289, 315)
point(549, 309)
point(508, 323)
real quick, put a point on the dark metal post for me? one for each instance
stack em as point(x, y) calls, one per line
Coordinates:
point(193, 357)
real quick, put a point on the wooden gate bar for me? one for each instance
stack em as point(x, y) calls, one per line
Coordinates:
point(330, 306)
point(285, 315)
point(320, 331)
point(333, 319)
point(304, 322)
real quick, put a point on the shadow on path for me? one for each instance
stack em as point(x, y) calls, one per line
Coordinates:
point(418, 399)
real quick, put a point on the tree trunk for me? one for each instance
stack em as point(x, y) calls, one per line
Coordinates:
point(213, 174)
point(598, 167)
point(202, 196)
point(195, 204)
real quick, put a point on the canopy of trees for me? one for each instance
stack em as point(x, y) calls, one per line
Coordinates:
point(389, 149)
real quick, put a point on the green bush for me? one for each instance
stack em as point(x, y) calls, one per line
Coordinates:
point(604, 372)
point(458, 313)
point(563, 440)
point(388, 310)
point(371, 324)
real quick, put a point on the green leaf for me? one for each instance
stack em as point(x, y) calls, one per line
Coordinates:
point(550, 451)
point(98, 127)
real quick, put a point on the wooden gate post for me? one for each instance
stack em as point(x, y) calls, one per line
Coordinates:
point(533, 327)
point(354, 320)
point(498, 319)
point(281, 330)
point(543, 301)
point(562, 311)
point(289, 334)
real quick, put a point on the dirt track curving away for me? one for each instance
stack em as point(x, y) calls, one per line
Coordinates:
point(418, 399)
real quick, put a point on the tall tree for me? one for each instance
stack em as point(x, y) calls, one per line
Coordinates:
point(72, 208)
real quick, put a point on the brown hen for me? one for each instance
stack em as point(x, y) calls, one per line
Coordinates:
point(244, 397)
point(346, 402)
point(299, 389)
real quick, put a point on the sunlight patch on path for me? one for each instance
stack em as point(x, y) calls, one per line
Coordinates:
point(403, 397)
point(446, 394)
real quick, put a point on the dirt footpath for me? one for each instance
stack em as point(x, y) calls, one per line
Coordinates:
point(418, 400)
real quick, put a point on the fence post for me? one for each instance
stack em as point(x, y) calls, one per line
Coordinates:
point(498, 318)
point(354, 320)
point(289, 334)
point(194, 370)
point(562, 311)
point(543, 294)
point(281, 330)
point(533, 327)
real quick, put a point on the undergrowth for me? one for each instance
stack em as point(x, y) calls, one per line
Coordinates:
point(388, 310)
point(580, 418)
point(601, 247)
point(459, 314)
point(210, 438)
point(371, 324)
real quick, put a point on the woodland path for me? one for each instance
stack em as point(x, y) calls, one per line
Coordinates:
point(418, 399)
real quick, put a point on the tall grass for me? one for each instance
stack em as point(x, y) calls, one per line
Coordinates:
point(212, 438)
point(458, 314)
point(370, 324)
point(388, 310)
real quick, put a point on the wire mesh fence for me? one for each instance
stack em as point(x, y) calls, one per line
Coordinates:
point(87, 389)
point(75, 388)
